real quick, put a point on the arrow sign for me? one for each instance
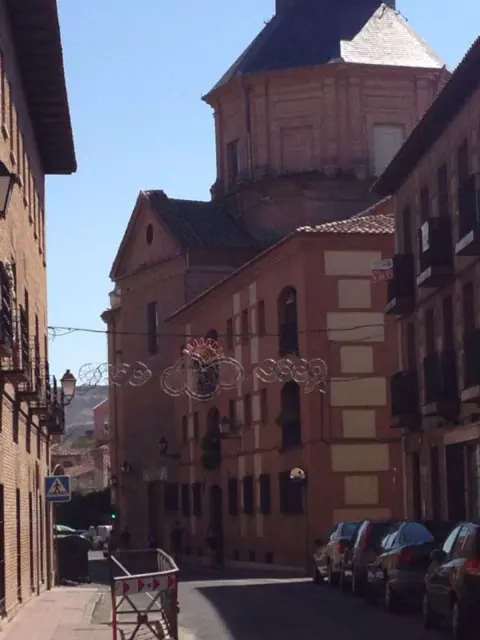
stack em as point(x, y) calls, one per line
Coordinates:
point(155, 584)
point(140, 585)
point(171, 582)
point(126, 588)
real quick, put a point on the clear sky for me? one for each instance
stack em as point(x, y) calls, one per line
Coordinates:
point(136, 72)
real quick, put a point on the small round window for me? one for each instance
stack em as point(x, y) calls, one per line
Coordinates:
point(149, 234)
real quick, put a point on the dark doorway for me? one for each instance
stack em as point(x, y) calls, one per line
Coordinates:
point(153, 500)
point(416, 487)
point(216, 520)
point(457, 504)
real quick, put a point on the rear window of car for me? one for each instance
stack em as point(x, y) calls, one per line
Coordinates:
point(377, 530)
point(349, 528)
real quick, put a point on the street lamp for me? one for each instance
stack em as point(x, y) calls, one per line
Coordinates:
point(225, 427)
point(7, 182)
point(68, 382)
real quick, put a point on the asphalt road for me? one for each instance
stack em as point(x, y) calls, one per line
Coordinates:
point(252, 606)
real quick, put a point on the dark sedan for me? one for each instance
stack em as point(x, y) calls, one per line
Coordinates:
point(452, 583)
point(328, 558)
point(397, 574)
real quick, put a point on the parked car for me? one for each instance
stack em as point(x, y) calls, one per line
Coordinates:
point(362, 551)
point(328, 558)
point(452, 583)
point(397, 575)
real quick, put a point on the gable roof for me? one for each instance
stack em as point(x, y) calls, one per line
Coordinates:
point(371, 221)
point(462, 84)
point(37, 40)
point(194, 224)
point(311, 33)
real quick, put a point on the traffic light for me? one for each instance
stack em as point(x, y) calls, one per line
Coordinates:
point(113, 515)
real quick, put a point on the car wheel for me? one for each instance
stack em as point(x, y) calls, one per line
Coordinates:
point(429, 618)
point(332, 578)
point(392, 601)
point(316, 577)
point(460, 626)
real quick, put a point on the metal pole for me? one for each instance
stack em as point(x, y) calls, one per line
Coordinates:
point(58, 470)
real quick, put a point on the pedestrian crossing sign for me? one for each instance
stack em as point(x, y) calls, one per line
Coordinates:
point(58, 489)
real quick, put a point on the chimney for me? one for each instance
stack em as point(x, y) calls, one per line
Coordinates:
point(283, 5)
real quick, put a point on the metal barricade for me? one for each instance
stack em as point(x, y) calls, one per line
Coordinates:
point(144, 591)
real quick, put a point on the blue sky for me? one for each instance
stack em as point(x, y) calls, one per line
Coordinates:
point(136, 72)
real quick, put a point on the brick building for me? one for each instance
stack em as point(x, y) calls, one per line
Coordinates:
point(435, 294)
point(271, 309)
point(35, 140)
point(300, 137)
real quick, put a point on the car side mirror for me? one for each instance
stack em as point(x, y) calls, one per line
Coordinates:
point(438, 556)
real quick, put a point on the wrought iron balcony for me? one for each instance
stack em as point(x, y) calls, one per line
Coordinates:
point(471, 359)
point(401, 288)
point(31, 387)
point(404, 399)
point(15, 362)
point(54, 415)
point(435, 253)
point(288, 339)
point(7, 331)
point(469, 218)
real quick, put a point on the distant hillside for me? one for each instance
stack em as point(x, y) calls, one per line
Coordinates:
point(79, 412)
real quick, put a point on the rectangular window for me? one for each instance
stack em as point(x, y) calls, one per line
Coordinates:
point(430, 336)
point(197, 499)
point(185, 491)
point(245, 331)
point(265, 494)
point(28, 436)
point(248, 495)
point(407, 230)
point(387, 140)
point(18, 518)
point(291, 495)
point(424, 204)
point(233, 161)
point(170, 497)
point(184, 429)
point(230, 341)
point(31, 540)
point(263, 406)
point(443, 191)
point(152, 328)
point(247, 409)
point(196, 428)
point(15, 422)
point(468, 305)
point(233, 496)
point(262, 329)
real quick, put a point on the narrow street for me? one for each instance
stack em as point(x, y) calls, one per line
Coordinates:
point(242, 605)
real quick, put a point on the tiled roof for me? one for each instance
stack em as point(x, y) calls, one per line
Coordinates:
point(200, 224)
point(464, 81)
point(314, 33)
point(372, 223)
point(388, 39)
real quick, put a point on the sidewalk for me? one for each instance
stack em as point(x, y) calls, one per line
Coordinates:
point(60, 614)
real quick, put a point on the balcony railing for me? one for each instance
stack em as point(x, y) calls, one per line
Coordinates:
point(469, 218)
point(401, 288)
point(404, 398)
point(288, 339)
point(471, 359)
point(435, 253)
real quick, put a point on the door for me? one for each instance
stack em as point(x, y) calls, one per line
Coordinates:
point(216, 519)
point(387, 140)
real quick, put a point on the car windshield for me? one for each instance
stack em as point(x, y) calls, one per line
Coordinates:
point(349, 528)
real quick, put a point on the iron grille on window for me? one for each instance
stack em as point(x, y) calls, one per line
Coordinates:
point(197, 499)
point(265, 494)
point(233, 496)
point(171, 496)
point(248, 495)
point(291, 494)
point(6, 312)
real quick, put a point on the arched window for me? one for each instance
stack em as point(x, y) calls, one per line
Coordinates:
point(287, 322)
point(290, 416)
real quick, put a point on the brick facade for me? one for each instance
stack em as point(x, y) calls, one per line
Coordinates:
point(26, 560)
